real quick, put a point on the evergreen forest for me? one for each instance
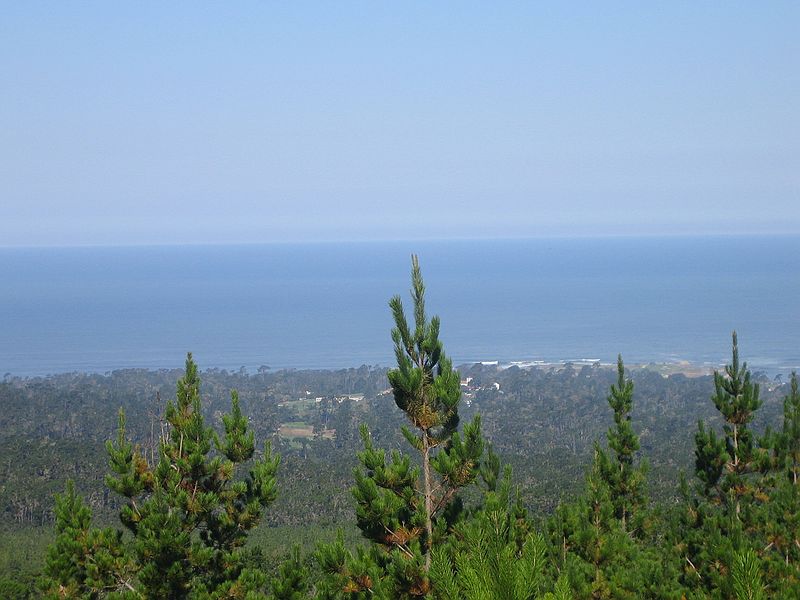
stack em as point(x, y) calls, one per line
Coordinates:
point(419, 481)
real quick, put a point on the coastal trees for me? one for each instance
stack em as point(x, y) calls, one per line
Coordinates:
point(744, 521)
point(625, 479)
point(428, 390)
point(404, 508)
point(188, 514)
point(494, 553)
point(722, 520)
point(84, 560)
point(598, 541)
point(727, 466)
point(786, 442)
point(781, 518)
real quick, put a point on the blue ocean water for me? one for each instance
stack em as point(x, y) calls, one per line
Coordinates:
point(325, 305)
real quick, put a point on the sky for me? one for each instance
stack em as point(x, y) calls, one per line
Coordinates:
point(172, 123)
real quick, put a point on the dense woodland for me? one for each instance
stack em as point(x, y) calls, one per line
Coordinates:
point(572, 481)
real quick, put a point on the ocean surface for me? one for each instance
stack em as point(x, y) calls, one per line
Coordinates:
point(325, 305)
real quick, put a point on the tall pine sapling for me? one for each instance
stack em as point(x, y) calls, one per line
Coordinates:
point(598, 540)
point(395, 509)
point(787, 442)
point(626, 480)
point(782, 519)
point(727, 472)
point(428, 390)
point(727, 516)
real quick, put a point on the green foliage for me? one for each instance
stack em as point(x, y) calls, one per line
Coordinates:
point(427, 530)
point(389, 510)
point(187, 514)
point(404, 510)
point(625, 480)
point(292, 582)
point(598, 541)
point(716, 523)
point(424, 384)
point(492, 555)
point(13, 590)
point(785, 444)
point(592, 548)
point(82, 560)
point(728, 474)
point(780, 518)
point(745, 519)
point(710, 458)
point(746, 576)
point(562, 590)
point(351, 575)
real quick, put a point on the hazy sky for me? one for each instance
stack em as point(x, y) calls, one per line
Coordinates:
point(168, 122)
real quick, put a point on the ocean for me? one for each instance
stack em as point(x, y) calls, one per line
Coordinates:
point(324, 306)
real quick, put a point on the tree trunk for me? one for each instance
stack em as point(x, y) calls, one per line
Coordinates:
point(426, 472)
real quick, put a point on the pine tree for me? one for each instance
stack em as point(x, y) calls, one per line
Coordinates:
point(727, 474)
point(589, 544)
point(592, 539)
point(292, 580)
point(562, 590)
point(727, 518)
point(188, 515)
point(400, 507)
point(786, 444)
point(626, 480)
point(493, 554)
point(746, 576)
point(83, 560)
point(781, 518)
point(353, 575)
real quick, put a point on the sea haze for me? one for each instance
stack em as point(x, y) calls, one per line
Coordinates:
point(325, 305)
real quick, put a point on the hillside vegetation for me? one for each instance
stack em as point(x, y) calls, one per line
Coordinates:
point(560, 482)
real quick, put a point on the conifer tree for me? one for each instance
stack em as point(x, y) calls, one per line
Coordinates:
point(82, 559)
point(590, 546)
point(781, 519)
point(493, 554)
point(400, 507)
point(353, 575)
point(592, 541)
point(292, 580)
point(726, 521)
point(187, 514)
point(746, 576)
point(727, 471)
point(626, 480)
point(786, 443)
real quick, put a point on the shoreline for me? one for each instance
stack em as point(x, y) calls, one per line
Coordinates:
point(666, 368)
point(682, 367)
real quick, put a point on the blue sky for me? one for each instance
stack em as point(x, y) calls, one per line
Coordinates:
point(128, 123)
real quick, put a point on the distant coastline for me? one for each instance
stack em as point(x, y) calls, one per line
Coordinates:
point(666, 369)
point(688, 368)
point(657, 300)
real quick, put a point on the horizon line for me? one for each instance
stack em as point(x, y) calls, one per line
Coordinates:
point(399, 240)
